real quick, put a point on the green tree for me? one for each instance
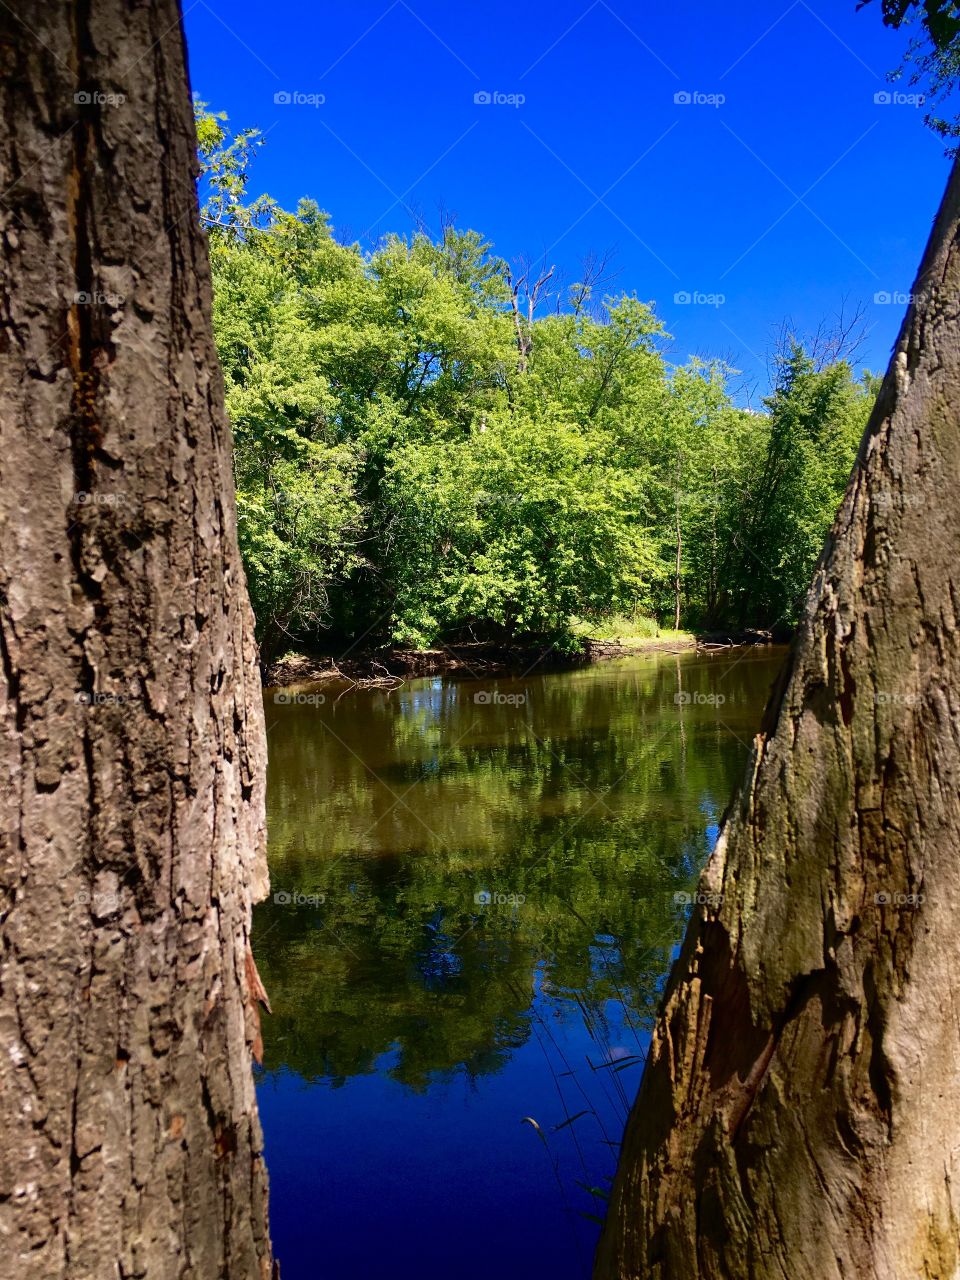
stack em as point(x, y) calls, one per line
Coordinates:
point(417, 461)
point(816, 419)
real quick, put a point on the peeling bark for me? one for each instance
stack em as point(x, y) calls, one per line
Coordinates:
point(799, 1115)
point(131, 736)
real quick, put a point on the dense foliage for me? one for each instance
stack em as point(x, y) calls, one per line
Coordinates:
point(426, 451)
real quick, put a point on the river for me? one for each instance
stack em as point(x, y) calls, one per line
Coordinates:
point(477, 889)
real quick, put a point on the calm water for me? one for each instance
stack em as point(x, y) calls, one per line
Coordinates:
point(477, 907)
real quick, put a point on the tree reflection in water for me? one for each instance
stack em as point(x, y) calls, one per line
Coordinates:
point(493, 872)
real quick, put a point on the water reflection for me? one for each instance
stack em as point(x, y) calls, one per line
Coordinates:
point(473, 875)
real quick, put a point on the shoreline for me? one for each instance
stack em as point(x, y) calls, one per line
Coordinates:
point(396, 664)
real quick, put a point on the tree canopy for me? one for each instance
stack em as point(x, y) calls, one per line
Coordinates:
point(432, 445)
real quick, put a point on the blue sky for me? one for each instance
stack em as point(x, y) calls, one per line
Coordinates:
point(775, 186)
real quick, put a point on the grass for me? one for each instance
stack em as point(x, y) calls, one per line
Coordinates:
point(632, 633)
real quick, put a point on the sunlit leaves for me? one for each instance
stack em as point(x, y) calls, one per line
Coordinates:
point(403, 474)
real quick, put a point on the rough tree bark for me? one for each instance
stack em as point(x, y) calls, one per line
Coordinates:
point(799, 1115)
point(131, 736)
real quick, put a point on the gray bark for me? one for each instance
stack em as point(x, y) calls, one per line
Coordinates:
point(799, 1115)
point(131, 735)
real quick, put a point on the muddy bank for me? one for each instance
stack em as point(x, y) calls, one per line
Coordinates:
point(394, 664)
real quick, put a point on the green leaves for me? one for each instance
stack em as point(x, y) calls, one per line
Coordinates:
point(817, 417)
point(521, 525)
point(401, 477)
point(933, 59)
point(939, 17)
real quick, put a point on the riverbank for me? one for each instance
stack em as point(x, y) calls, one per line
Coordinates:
point(395, 664)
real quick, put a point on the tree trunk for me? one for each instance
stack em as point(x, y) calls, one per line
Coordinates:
point(677, 568)
point(799, 1115)
point(712, 591)
point(131, 736)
